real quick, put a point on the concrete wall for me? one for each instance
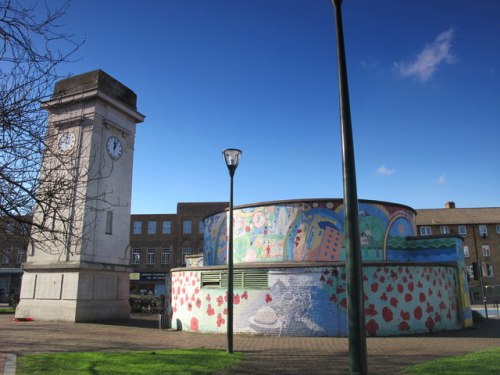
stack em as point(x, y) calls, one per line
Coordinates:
point(311, 301)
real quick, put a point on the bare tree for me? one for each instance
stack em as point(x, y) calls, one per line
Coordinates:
point(32, 46)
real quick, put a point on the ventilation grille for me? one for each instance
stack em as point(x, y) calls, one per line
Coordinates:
point(254, 279)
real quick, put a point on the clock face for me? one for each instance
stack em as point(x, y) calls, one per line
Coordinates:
point(66, 141)
point(114, 147)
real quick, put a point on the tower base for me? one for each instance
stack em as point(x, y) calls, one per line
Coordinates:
point(74, 292)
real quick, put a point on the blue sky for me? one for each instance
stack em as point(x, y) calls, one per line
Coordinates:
point(261, 75)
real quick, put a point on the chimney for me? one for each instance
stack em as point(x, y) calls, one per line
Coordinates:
point(449, 204)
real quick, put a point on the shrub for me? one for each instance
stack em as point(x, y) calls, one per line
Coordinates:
point(146, 304)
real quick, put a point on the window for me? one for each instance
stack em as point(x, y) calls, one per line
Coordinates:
point(151, 227)
point(9, 228)
point(185, 251)
point(166, 227)
point(5, 259)
point(444, 229)
point(20, 256)
point(136, 256)
point(165, 256)
point(186, 226)
point(109, 222)
point(200, 226)
point(466, 251)
point(462, 230)
point(425, 231)
point(486, 250)
point(498, 228)
point(137, 227)
point(483, 230)
point(489, 271)
point(150, 256)
point(470, 272)
point(24, 228)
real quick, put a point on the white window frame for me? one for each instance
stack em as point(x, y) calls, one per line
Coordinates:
point(466, 252)
point(137, 227)
point(484, 269)
point(151, 227)
point(470, 271)
point(444, 229)
point(486, 250)
point(483, 230)
point(165, 256)
point(166, 227)
point(425, 231)
point(462, 230)
point(136, 256)
point(150, 256)
point(187, 226)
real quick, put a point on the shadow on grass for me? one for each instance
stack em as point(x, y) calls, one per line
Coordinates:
point(195, 361)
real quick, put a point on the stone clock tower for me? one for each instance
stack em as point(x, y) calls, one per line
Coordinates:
point(79, 269)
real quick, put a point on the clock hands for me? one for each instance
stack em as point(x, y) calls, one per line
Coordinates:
point(114, 147)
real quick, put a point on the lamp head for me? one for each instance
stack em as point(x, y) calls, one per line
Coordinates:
point(232, 158)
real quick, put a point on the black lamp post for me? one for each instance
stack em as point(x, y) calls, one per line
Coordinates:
point(355, 311)
point(232, 157)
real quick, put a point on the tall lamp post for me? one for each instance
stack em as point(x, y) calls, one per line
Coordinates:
point(355, 311)
point(232, 157)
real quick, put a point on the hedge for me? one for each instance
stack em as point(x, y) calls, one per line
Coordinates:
point(146, 304)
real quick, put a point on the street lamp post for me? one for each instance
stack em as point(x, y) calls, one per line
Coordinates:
point(232, 158)
point(355, 311)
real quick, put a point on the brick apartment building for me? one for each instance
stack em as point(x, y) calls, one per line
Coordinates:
point(480, 229)
point(13, 245)
point(160, 242)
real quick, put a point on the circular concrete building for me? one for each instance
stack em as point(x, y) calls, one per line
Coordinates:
point(289, 273)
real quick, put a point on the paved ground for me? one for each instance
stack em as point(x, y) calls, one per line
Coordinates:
point(263, 355)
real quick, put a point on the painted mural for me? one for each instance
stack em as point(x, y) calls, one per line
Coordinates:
point(305, 231)
point(312, 302)
point(424, 250)
point(411, 284)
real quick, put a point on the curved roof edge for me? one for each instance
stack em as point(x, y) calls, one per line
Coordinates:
point(308, 200)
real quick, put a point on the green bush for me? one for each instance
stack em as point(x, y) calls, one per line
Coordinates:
point(146, 304)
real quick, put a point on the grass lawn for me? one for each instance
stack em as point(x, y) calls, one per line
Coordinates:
point(485, 362)
point(194, 361)
point(7, 310)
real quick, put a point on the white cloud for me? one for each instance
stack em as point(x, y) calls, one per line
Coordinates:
point(441, 180)
point(370, 63)
point(384, 171)
point(428, 60)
